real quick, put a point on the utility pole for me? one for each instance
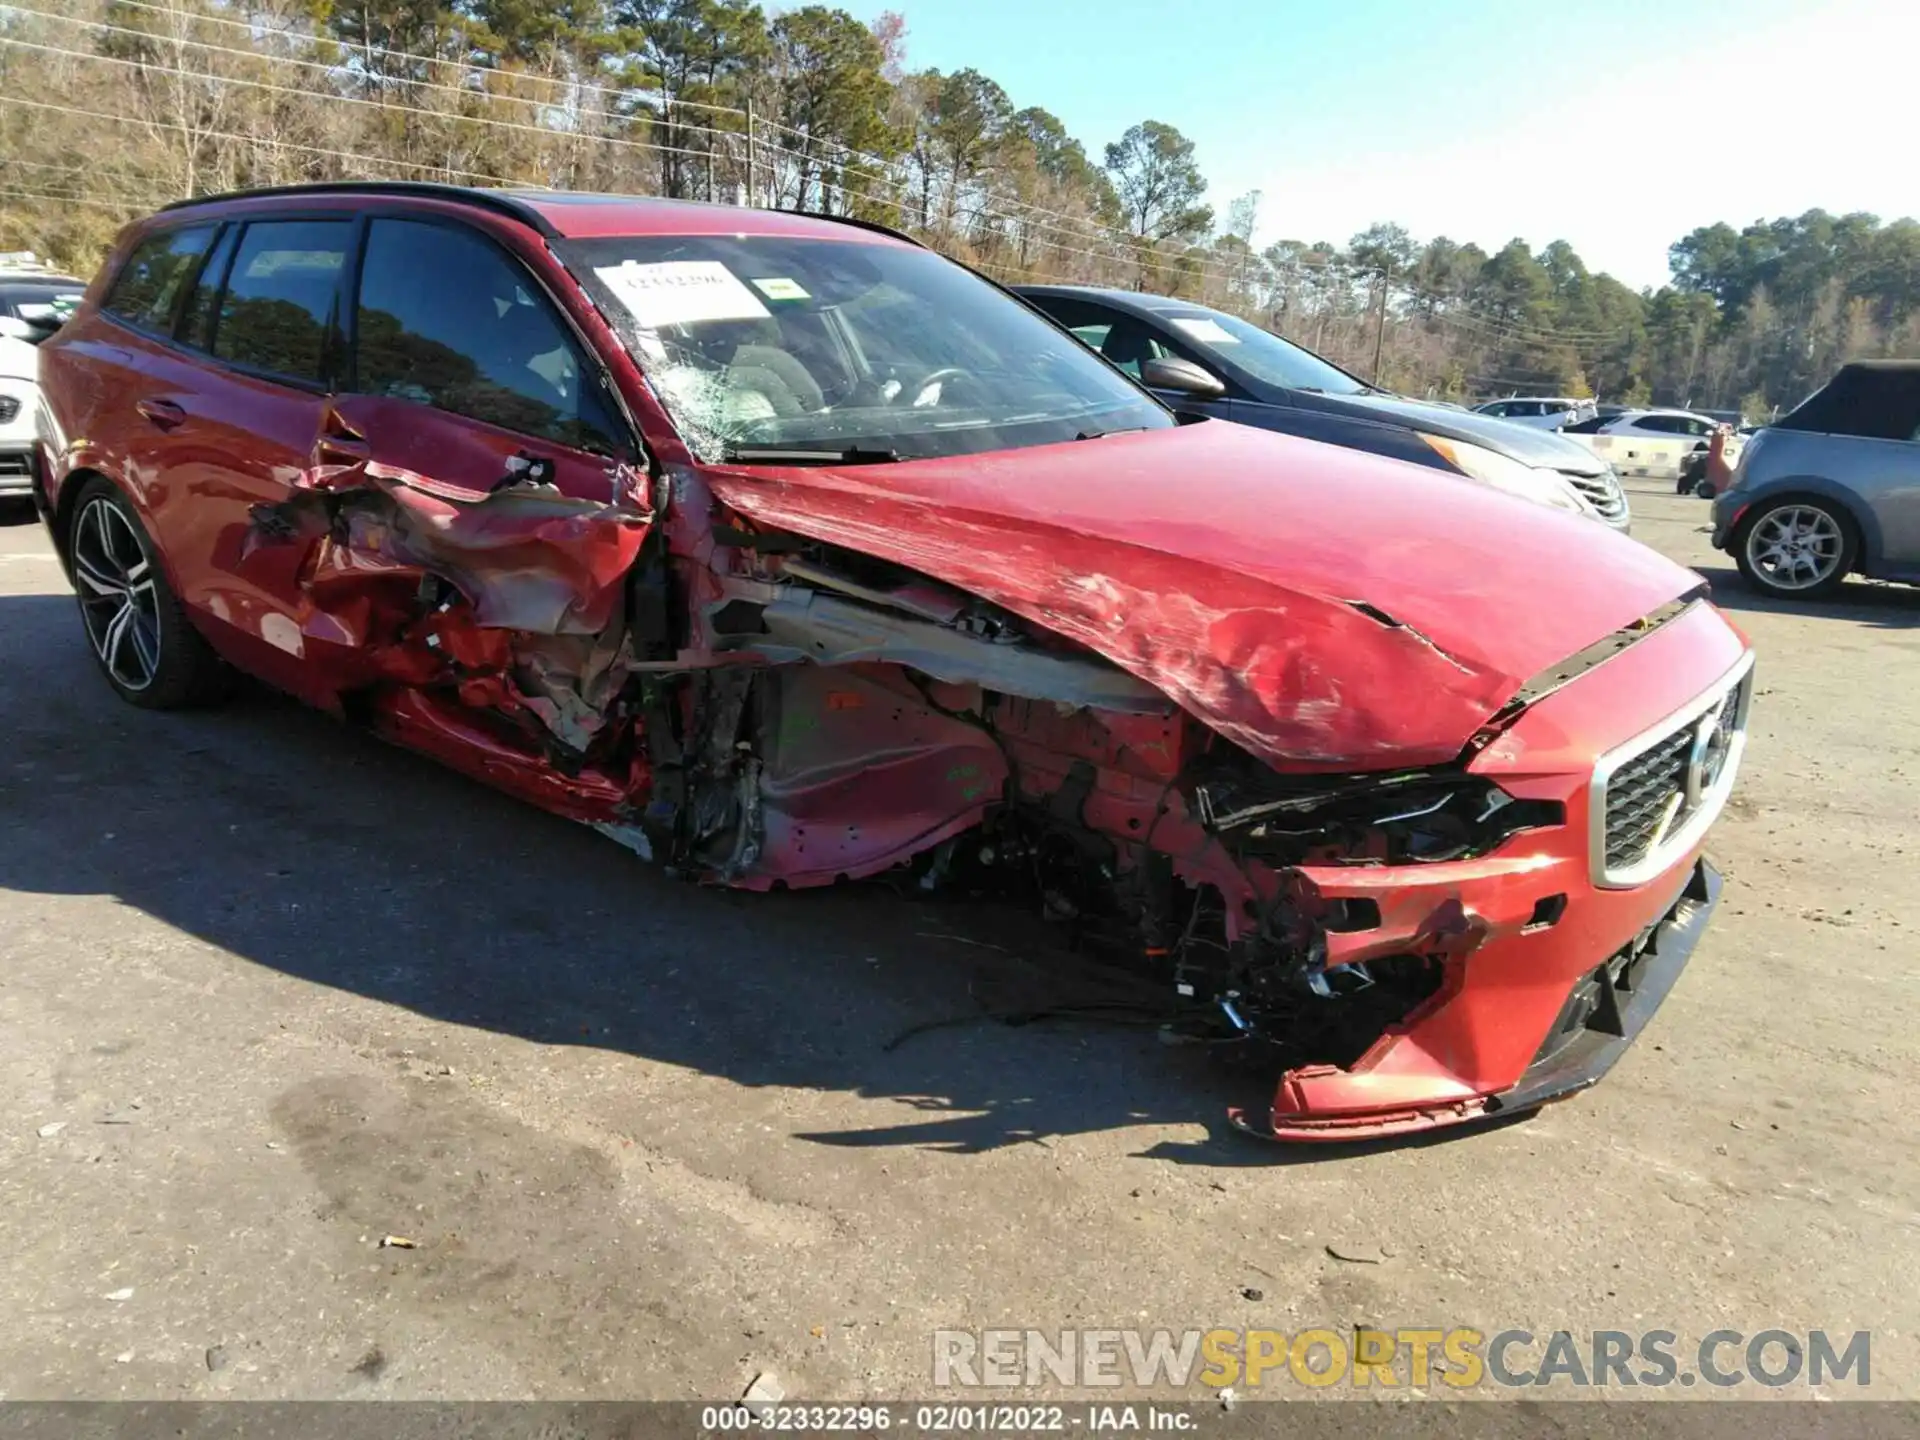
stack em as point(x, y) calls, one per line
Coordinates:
point(753, 184)
point(1380, 323)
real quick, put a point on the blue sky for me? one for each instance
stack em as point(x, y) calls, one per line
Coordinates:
point(1616, 126)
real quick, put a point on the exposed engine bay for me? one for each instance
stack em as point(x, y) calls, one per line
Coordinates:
point(763, 710)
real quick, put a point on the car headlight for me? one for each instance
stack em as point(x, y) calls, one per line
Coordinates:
point(1489, 467)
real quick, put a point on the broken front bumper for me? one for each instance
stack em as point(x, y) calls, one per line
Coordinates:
point(1602, 1015)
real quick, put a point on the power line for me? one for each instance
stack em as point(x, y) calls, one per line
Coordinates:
point(196, 75)
point(1116, 247)
point(347, 155)
point(893, 171)
point(334, 72)
point(128, 207)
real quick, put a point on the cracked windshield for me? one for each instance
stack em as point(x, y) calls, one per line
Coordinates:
point(780, 351)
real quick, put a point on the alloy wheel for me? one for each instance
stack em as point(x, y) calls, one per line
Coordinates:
point(117, 599)
point(1796, 547)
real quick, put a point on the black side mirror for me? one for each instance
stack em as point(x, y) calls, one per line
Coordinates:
point(1170, 373)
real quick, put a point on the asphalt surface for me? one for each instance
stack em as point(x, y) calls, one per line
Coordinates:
point(270, 992)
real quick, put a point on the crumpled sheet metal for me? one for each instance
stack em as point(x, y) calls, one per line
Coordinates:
point(527, 560)
point(1273, 587)
point(1304, 682)
point(861, 774)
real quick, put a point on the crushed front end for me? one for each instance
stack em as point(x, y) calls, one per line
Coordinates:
point(1564, 940)
point(1404, 948)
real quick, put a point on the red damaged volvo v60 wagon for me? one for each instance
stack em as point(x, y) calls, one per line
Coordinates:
point(784, 551)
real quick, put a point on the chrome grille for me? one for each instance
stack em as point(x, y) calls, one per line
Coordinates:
point(1601, 491)
point(1644, 796)
point(1655, 796)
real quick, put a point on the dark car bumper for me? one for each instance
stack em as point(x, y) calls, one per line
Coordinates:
point(1607, 1011)
point(1727, 510)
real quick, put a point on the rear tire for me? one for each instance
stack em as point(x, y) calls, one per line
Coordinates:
point(135, 625)
point(1796, 547)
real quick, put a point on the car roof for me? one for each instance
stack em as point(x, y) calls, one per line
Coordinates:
point(1120, 299)
point(564, 214)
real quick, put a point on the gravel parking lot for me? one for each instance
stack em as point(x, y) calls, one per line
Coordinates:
point(272, 992)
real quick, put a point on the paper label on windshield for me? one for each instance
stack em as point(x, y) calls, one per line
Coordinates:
point(781, 288)
point(1211, 332)
point(680, 292)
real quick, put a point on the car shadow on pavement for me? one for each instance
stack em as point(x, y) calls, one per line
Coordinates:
point(1879, 604)
point(295, 843)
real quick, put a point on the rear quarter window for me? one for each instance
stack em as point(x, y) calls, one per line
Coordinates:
point(148, 287)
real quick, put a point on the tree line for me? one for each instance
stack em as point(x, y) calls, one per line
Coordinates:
point(110, 107)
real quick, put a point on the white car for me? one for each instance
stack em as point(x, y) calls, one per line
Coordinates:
point(34, 302)
point(1649, 444)
point(1539, 412)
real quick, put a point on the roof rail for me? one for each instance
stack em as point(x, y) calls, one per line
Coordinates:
point(874, 225)
point(423, 189)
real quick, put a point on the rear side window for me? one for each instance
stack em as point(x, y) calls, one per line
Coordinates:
point(196, 325)
point(280, 301)
point(148, 286)
point(445, 319)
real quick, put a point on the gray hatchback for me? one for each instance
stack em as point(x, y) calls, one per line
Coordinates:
point(1832, 489)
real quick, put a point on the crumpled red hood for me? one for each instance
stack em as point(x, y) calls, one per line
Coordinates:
point(1323, 608)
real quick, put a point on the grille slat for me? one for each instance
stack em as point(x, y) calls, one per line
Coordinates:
point(1601, 491)
point(1646, 794)
point(1639, 795)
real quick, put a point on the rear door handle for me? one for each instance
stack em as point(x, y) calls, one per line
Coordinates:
point(163, 413)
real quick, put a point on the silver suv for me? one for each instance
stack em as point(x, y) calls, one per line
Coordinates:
point(1832, 489)
point(1548, 412)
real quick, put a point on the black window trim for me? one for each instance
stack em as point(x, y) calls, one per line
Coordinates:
point(213, 229)
point(591, 362)
point(225, 229)
point(343, 338)
point(1158, 328)
point(330, 343)
point(1240, 385)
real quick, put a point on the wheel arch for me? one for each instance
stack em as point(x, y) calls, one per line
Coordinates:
point(1815, 487)
point(67, 504)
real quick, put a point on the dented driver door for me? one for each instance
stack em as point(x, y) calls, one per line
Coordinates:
point(475, 447)
point(463, 371)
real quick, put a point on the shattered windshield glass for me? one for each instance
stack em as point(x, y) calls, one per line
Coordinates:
point(773, 349)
